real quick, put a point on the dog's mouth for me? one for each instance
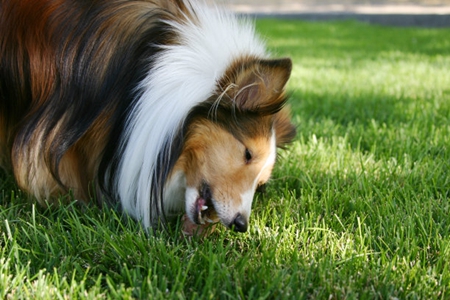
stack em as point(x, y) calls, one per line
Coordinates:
point(204, 208)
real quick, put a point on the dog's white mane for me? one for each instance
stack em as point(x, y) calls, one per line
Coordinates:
point(183, 75)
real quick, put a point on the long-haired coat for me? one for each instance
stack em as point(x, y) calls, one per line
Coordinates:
point(163, 106)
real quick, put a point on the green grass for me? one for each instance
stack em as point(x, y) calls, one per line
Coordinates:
point(358, 206)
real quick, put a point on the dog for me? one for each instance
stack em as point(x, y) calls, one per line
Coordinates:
point(158, 106)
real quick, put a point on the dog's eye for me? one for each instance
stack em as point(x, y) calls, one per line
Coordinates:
point(248, 156)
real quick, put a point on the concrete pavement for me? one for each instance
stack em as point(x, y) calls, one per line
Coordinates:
point(394, 14)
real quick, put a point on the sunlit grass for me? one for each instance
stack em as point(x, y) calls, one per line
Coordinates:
point(358, 206)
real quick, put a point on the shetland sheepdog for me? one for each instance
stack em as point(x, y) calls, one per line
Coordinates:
point(158, 106)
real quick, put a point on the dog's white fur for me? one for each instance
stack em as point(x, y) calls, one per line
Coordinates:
point(187, 71)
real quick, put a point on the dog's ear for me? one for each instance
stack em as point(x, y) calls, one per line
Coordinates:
point(285, 131)
point(258, 85)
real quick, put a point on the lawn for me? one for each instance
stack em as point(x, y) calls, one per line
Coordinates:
point(358, 206)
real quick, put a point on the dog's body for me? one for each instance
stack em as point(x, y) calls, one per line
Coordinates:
point(161, 106)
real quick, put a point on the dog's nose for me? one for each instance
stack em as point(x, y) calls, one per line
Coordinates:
point(239, 223)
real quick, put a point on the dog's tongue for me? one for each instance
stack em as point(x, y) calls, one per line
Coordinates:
point(200, 206)
point(189, 228)
point(201, 203)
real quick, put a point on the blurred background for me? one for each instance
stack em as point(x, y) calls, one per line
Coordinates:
point(427, 2)
point(424, 13)
point(348, 2)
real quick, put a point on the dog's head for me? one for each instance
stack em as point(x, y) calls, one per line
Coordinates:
point(231, 142)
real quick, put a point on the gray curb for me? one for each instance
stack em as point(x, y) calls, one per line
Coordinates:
point(401, 20)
